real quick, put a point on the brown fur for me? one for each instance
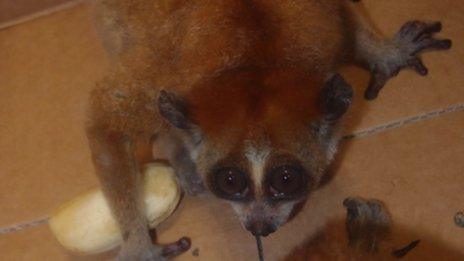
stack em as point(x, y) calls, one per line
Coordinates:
point(164, 45)
point(236, 72)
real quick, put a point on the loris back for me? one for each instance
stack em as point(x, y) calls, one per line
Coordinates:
point(187, 40)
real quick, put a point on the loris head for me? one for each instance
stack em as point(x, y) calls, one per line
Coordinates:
point(261, 141)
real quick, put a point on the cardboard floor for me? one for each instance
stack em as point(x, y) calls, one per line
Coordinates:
point(409, 152)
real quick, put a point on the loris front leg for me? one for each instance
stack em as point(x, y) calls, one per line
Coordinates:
point(113, 154)
point(386, 57)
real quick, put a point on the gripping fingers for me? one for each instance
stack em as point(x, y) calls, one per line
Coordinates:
point(176, 248)
point(430, 44)
point(415, 30)
point(417, 65)
point(417, 36)
point(376, 83)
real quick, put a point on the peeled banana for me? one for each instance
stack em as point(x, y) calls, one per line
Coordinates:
point(85, 225)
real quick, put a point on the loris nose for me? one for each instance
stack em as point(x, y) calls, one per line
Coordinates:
point(259, 228)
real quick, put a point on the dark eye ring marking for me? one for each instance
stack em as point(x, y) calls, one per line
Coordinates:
point(286, 182)
point(230, 183)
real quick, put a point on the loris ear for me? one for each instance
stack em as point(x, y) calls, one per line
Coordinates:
point(336, 96)
point(174, 109)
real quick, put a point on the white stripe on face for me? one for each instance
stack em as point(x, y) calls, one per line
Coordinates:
point(257, 158)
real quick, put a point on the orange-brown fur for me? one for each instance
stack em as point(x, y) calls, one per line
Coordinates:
point(249, 71)
point(170, 45)
point(178, 45)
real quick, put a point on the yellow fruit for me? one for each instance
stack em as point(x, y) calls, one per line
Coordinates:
point(85, 224)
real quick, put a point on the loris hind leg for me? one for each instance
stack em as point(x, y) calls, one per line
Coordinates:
point(386, 57)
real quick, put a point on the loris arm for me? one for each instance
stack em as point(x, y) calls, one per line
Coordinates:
point(113, 155)
point(386, 57)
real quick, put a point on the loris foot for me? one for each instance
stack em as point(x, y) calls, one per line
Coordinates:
point(147, 251)
point(367, 222)
point(403, 51)
point(176, 248)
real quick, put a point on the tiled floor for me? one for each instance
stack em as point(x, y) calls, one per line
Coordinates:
point(48, 65)
point(15, 11)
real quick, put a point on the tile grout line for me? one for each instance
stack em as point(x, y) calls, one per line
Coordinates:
point(358, 134)
point(38, 14)
point(21, 226)
point(404, 122)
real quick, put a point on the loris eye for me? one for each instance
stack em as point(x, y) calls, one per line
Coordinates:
point(286, 181)
point(230, 182)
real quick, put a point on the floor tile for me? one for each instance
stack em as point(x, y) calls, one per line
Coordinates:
point(39, 244)
point(11, 10)
point(47, 68)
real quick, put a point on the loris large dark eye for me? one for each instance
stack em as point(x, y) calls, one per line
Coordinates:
point(286, 181)
point(231, 183)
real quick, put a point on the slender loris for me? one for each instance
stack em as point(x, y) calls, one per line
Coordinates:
point(242, 95)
